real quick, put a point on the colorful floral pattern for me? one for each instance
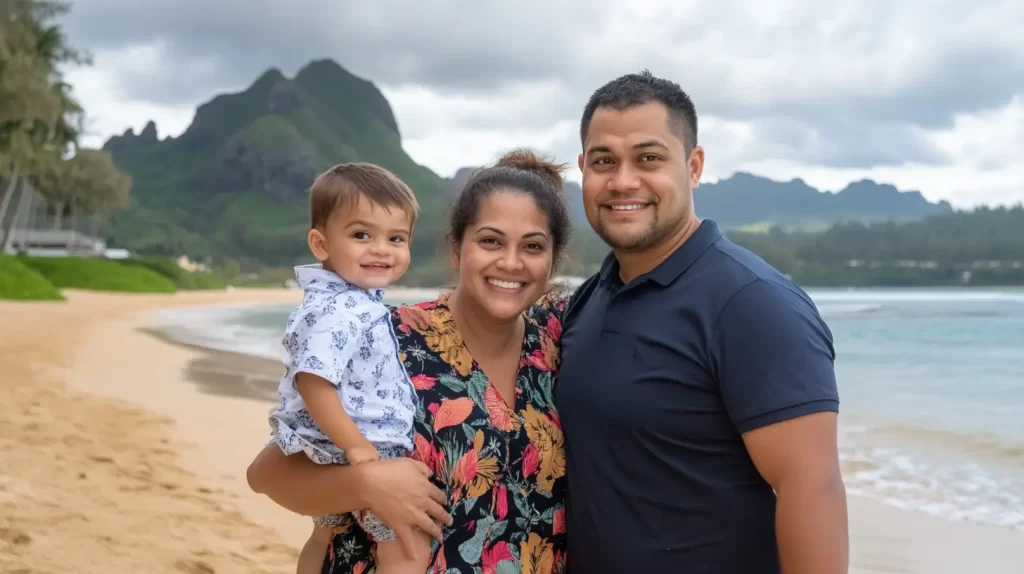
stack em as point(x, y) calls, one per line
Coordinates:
point(503, 469)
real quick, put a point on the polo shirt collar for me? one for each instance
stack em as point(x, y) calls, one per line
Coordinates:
point(671, 268)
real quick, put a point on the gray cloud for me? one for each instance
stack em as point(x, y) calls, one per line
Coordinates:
point(844, 144)
point(971, 80)
point(449, 46)
point(850, 84)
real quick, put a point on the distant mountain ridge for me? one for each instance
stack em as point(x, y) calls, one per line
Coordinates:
point(744, 199)
point(234, 184)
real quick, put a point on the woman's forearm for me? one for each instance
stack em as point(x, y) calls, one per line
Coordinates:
point(398, 491)
point(304, 487)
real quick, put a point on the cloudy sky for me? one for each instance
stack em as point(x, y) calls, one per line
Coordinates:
point(924, 94)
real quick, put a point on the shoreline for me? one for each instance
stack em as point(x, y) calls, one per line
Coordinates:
point(162, 428)
point(221, 430)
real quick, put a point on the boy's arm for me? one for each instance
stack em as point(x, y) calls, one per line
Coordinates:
point(325, 407)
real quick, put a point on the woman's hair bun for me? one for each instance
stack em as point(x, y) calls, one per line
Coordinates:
point(548, 170)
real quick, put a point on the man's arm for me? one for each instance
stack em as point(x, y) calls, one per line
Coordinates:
point(799, 458)
point(775, 361)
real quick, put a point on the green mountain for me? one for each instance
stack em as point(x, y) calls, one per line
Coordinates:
point(234, 184)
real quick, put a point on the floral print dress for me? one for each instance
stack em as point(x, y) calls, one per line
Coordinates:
point(503, 469)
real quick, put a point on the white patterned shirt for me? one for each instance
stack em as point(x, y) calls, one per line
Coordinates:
point(344, 334)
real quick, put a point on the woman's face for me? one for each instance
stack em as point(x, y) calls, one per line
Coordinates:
point(506, 255)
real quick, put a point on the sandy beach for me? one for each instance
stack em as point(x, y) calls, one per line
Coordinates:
point(122, 452)
point(111, 462)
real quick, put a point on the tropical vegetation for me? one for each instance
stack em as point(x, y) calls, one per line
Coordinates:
point(48, 181)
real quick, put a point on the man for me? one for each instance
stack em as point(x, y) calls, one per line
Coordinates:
point(697, 391)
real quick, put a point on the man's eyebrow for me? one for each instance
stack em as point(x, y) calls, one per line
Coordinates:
point(640, 145)
point(650, 143)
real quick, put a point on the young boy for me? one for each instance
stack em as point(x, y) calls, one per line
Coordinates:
point(345, 397)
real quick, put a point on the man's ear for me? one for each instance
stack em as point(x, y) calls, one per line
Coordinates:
point(696, 166)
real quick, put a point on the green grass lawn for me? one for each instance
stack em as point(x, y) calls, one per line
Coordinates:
point(99, 275)
point(181, 278)
point(21, 282)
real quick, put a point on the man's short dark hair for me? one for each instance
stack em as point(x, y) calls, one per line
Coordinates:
point(632, 90)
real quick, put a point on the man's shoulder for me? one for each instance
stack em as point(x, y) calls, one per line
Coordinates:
point(742, 269)
point(758, 292)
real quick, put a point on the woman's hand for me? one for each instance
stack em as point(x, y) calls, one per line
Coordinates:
point(400, 493)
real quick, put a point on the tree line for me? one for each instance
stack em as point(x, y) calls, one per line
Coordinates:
point(42, 166)
point(984, 246)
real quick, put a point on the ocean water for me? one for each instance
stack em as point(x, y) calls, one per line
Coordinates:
point(931, 385)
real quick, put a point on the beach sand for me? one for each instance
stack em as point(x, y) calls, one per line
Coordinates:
point(110, 462)
point(121, 452)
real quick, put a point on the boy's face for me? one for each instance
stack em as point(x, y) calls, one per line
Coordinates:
point(364, 243)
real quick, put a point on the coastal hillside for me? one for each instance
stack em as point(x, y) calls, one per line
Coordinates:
point(234, 184)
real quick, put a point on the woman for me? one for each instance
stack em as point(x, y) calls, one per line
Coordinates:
point(487, 433)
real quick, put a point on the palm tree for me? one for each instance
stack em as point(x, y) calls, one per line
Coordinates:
point(28, 101)
point(39, 120)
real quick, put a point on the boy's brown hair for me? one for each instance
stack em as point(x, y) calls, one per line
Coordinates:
point(348, 182)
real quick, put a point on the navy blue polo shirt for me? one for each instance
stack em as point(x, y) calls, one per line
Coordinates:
point(659, 379)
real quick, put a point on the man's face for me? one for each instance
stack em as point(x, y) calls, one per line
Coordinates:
point(637, 176)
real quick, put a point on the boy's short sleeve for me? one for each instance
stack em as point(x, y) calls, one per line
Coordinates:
point(774, 357)
point(322, 344)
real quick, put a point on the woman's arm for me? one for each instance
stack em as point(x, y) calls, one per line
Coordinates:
point(398, 491)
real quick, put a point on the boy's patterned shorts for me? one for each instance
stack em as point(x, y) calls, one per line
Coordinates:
point(377, 530)
point(368, 521)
